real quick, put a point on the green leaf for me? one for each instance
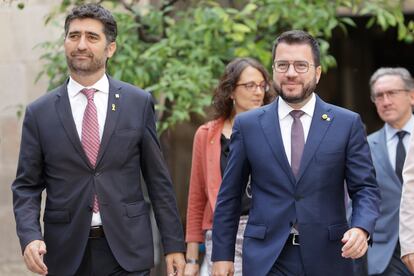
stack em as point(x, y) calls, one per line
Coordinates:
point(348, 21)
point(179, 54)
point(248, 9)
point(272, 19)
point(237, 27)
point(381, 21)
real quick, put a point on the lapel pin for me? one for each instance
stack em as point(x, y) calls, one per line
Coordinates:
point(326, 117)
point(117, 95)
point(113, 107)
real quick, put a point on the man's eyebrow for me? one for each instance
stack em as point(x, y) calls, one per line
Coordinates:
point(92, 33)
point(87, 32)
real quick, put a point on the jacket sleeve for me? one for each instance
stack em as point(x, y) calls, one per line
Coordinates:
point(28, 186)
point(159, 184)
point(197, 198)
point(360, 179)
point(228, 206)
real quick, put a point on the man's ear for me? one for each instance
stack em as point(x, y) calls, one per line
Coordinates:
point(411, 94)
point(110, 49)
point(318, 71)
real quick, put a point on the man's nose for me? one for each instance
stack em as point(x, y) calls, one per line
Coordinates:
point(291, 71)
point(386, 99)
point(82, 43)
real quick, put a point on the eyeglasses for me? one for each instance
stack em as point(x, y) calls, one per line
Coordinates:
point(301, 66)
point(391, 94)
point(252, 86)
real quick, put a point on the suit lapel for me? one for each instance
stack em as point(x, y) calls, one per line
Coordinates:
point(112, 115)
point(269, 121)
point(66, 118)
point(321, 120)
point(380, 144)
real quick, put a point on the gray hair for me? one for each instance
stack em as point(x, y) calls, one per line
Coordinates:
point(403, 73)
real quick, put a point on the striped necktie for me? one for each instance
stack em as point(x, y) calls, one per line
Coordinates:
point(90, 134)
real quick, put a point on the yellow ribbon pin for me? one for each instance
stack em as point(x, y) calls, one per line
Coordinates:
point(326, 117)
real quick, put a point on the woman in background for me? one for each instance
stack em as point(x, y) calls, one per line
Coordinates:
point(244, 85)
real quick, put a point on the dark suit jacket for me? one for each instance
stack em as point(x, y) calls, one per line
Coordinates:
point(52, 158)
point(336, 150)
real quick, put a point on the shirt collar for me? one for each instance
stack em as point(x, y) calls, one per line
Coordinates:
point(101, 85)
point(308, 108)
point(390, 132)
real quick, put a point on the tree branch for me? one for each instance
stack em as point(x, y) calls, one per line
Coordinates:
point(127, 6)
point(168, 4)
point(164, 8)
point(142, 34)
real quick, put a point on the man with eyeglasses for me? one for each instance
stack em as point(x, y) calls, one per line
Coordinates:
point(392, 93)
point(299, 150)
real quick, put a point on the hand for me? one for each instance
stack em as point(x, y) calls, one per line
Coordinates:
point(192, 270)
point(33, 257)
point(408, 260)
point(175, 264)
point(223, 268)
point(355, 243)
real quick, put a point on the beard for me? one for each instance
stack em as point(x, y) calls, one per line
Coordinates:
point(307, 90)
point(84, 67)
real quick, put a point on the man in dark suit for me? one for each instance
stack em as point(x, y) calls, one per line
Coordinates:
point(392, 91)
point(87, 143)
point(298, 150)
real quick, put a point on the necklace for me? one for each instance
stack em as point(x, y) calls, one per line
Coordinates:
point(228, 128)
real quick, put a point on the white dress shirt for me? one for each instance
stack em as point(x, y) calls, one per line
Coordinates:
point(78, 104)
point(392, 139)
point(286, 121)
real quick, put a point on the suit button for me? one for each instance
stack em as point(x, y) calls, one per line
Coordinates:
point(97, 173)
point(298, 197)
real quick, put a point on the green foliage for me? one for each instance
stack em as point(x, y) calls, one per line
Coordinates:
point(179, 54)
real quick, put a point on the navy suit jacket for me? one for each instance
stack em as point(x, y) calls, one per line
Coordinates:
point(386, 229)
point(336, 150)
point(52, 158)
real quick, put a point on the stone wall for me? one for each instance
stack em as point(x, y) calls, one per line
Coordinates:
point(20, 32)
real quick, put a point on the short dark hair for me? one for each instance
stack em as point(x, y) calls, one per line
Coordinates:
point(94, 11)
point(298, 37)
point(222, 102)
